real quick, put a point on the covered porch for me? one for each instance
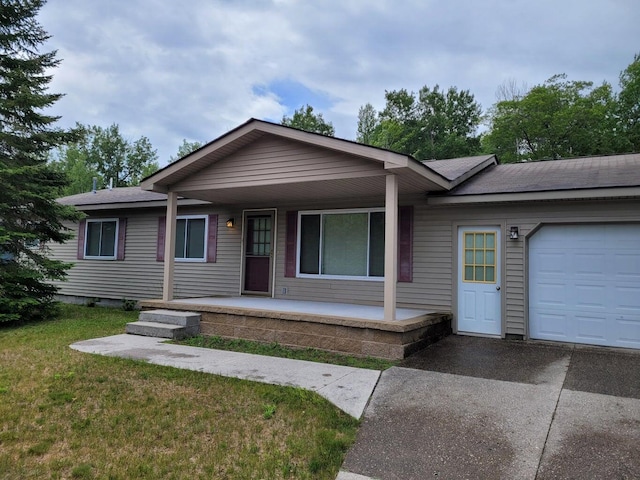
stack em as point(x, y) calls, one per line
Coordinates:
point(360, 330)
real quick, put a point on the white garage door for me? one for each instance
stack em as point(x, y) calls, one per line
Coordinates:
point(584, 284)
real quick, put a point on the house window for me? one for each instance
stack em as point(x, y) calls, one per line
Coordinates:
point(101, 237)
point(341, 244)
point(480, 257)
point(191, 238)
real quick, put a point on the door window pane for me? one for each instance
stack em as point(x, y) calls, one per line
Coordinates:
point(479, 257)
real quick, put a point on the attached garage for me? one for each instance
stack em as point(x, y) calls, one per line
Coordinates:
point(584, 284)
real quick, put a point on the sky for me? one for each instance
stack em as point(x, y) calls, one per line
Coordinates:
point(194, 69)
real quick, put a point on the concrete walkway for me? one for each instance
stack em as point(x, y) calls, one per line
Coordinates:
point(346, 387)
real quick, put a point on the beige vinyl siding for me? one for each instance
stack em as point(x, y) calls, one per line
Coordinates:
point(273, 161)
point(435, 254)
point(139, 275)
point(526, 216)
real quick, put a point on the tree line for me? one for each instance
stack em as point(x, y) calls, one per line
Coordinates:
point(559, 118)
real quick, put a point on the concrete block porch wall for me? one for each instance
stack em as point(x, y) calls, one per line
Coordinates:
point(367, 338)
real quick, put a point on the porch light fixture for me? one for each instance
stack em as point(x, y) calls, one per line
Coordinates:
point(230, 223)
point(513, 233)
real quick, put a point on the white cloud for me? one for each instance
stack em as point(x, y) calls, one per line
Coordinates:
point(174, 70)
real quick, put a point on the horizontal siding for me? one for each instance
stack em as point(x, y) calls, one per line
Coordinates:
point(274, 160)
point(434, 280)
point(139, 275)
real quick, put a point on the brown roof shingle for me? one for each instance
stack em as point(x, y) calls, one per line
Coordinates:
point(570, 174)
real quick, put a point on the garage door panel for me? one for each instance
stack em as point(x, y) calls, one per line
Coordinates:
point(627, 266)
point(591, 328)
point(551, 294)
point(590, 296)
point(628, 299)
point(584, 284)
point(629, 332)
point(551, 326)
point(589, 264)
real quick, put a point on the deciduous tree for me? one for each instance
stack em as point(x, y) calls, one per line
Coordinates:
point(105, 154)
point(305, 119)
point(558, 119)
point(185, 149)
point(432, 124)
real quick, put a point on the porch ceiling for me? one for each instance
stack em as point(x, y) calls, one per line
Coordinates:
point(295, 192)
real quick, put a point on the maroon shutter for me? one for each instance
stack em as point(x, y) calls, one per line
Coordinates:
point(81, 229)
point(290, 252)
point(162, 225)
point(212, 239)
point(405, 244)
point(122, 236)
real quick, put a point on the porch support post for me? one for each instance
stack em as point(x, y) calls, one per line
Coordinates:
point(390, 247)
point(169, 246)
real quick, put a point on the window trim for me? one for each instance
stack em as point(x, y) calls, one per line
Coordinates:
point(115, 243)
point(202, 259)
point(368, 211)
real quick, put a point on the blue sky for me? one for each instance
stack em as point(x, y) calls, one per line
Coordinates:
point(196, 69)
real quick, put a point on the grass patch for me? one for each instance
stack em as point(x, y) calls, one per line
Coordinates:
point(66, 414)
point(277, 350)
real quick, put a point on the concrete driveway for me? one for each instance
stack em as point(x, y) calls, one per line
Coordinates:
point(479, 408)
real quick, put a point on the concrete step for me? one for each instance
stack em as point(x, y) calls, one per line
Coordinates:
point(170, 317)
point(161, 330)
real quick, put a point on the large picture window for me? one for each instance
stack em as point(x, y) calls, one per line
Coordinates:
point(341, 243)
point(191, 238)
point(101, 239)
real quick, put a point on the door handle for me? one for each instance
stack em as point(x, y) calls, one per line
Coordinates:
point(498, 288)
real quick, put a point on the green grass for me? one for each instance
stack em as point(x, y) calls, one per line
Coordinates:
point(66, 414)
point(277, 350)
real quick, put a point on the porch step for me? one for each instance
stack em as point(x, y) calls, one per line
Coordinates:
point(161, 330)
point(171, 317)
point(165, 324)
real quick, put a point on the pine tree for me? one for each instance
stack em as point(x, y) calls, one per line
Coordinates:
point(29, 215)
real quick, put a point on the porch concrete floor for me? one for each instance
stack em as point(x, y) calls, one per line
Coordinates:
point(342, 310)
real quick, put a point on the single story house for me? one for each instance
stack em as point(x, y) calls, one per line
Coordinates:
point(540, 250)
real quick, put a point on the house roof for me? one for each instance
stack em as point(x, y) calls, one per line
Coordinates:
point(120, 197)
point(586, 177)
point(457, 170)
point(414, 176)
point(477, 179)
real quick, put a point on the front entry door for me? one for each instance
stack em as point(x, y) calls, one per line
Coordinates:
point(258, 252)
point(479, 288)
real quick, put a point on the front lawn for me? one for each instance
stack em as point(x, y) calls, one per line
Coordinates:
point(66, 414)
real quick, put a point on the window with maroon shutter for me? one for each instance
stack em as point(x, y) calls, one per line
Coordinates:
point(196, 238)
point(101, 239)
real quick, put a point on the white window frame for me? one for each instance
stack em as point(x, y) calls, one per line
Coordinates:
point(206, 238)
point(115, 243)
point(334, 212)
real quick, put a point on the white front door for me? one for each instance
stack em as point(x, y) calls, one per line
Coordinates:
point(479, 288)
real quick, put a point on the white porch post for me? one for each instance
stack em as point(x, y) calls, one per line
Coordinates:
point(390, 247)
point(169, 246)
